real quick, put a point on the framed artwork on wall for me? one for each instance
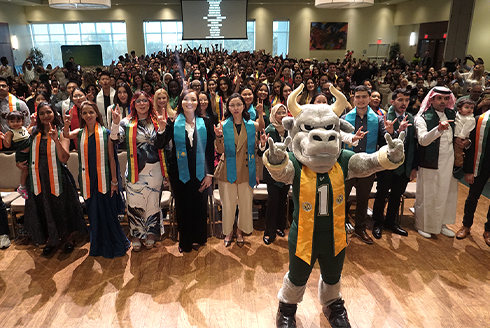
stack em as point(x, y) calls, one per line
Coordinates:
point(328, 36)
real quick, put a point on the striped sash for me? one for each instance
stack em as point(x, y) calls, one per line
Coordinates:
point(103, 168)
point(54, 166)
point(131, 132)
point(220, 108)
point(482, 128)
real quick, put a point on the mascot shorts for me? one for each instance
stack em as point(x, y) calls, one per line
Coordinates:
point(323, 251)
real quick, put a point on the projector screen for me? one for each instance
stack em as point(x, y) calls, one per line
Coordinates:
point(214, 19)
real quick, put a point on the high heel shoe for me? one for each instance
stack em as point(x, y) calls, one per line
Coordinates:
point(280, 233)
point(239, 241)
point(229, 241)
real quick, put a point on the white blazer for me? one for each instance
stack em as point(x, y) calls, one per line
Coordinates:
point(100, 104)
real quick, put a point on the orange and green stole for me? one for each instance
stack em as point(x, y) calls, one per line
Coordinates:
point(14, 103)
point(103, 165)
point(54, 166)
point(482, 128)
point(329, 192)
point(131, 132)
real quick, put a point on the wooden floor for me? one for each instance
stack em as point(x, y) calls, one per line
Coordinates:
point(397, 282)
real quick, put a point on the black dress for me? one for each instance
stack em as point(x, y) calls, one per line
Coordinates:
point(107, 238)
point(50, 217)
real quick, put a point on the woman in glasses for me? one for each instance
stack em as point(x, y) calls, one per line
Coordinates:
point(145, 168)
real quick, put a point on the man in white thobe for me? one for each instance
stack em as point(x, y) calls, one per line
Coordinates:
point(437, 190)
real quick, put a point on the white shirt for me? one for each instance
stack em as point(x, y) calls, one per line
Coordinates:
point(190, 130)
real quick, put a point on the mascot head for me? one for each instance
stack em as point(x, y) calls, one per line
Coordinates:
point(315, 131)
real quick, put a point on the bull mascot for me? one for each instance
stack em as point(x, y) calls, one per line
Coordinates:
point(317, 167)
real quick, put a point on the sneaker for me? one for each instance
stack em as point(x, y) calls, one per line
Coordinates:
point(22, 192)
point(447, 232)
point(424, 234)
point(4, 241)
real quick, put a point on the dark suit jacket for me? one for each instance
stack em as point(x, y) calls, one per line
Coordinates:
point(172, 166)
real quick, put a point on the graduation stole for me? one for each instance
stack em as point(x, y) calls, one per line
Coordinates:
point(54, 166)
point(220, 108)
point(103, 168)
point(252, 112)
point(372, 127)
point(267, 111)
point(181, 148)
point(230, 150)
point(482, 128)
point(131, 132)
point(14, 103)
point(274, 101)
point(331, 202)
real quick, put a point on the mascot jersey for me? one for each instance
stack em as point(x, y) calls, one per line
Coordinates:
point(327, 213)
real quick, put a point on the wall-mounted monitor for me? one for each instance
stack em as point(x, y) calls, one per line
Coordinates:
point(214, 19)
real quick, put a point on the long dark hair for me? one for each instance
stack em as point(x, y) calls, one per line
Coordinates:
point(142, 80)
point(256, 97)
point(180, 109)
point(209, 110)
point(245, 113)
point(57, 121)
point(95, 108)
point(128, 91)
point(228, 82)
point(281, 93)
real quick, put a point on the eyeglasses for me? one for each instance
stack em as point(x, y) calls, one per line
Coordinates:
point(79, 97)
point(143, 101)
point(4, 86)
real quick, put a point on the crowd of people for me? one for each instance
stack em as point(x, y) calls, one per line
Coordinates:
point(188, 117)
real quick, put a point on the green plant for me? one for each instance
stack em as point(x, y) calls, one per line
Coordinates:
point(37, 56)
point(394, 50)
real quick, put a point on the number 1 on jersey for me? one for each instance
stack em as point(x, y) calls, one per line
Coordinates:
point(323, 200)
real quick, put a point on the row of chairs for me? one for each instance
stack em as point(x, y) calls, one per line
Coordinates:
point(10, 177)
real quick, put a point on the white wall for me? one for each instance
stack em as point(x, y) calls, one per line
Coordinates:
point(422, 11)
point(479, 41)
point(16, 18)
point(365, 25)
point(404, 32)
point(390, 23)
